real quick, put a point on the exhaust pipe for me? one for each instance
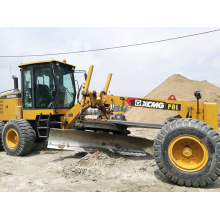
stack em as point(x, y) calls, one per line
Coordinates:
point(15, 82)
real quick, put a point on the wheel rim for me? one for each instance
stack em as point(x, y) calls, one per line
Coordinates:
point(12, 138)
point(187, 153)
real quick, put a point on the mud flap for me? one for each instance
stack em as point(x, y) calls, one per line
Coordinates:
point(71, 139)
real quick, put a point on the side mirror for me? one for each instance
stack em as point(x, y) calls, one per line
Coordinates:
point(85, 75)
point(198, 94)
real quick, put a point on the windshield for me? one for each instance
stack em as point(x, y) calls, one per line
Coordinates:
point(66, 95)
point(45, 86)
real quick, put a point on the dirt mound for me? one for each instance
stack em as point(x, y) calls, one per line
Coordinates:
point(105, 165)
point(183, 89)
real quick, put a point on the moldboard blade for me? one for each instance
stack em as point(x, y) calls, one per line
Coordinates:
point(71, 139)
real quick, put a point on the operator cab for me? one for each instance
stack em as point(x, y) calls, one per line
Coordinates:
point(47, 85)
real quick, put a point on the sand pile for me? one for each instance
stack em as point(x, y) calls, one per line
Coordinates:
point(183, 89)
point(104, 166)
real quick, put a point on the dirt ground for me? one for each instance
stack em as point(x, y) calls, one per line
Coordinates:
point(46, 170)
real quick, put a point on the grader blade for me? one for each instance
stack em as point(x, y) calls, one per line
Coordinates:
point(71, 139)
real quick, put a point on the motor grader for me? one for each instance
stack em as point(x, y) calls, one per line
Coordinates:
point(186, 148)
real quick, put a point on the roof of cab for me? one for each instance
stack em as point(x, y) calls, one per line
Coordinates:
point(44, 61)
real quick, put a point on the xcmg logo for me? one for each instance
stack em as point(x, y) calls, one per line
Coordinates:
point(153, 104)
point(149, 104)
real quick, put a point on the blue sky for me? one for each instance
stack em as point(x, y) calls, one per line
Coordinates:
point(136, 70)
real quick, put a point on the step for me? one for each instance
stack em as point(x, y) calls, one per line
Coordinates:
point(42, 119)
point(42, 136)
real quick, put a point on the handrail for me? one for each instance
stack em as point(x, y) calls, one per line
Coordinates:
point(7, 91)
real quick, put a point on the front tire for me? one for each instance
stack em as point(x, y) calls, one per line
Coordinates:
point(1, 129)
point(18, 137)
point(187, 151)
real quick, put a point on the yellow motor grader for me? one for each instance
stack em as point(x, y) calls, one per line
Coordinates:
point(186, 148)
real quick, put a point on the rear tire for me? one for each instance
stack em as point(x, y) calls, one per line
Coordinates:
point(187, 151)
point(1, 129)
point(18, 137)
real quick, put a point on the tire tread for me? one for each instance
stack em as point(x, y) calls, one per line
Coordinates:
point(188, 123)
point(27, 137)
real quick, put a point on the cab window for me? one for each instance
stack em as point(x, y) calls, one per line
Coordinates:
point(27, 89)
point(66, 95)
point(45, 87)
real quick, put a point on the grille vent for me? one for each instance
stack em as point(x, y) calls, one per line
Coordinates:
point(1, 108)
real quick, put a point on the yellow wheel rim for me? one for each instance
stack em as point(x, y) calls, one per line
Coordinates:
point(12, 138)
point(187, 153)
